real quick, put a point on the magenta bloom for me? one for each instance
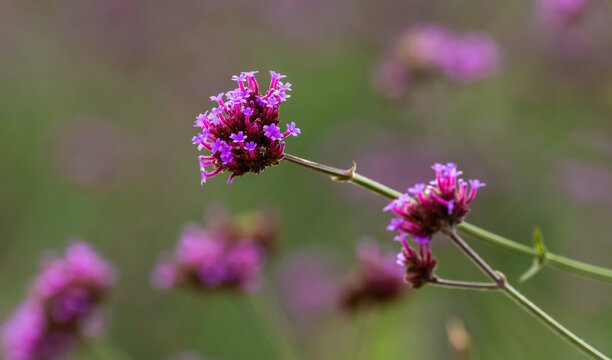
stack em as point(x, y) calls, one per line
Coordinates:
point(470, 58)
point(426, 209)
point(64, 306)
point(207, 261)
point(465, 58)
point(242, 133)
point(377, 279)
point(423, 46)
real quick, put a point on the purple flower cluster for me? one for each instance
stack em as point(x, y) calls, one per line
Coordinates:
point(465, 58)
point(63, 306)
point(426, 209)
point(377, 279)
point(242, 133)
point(205, 260)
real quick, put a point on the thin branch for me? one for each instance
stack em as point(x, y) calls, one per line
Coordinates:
point(348, 175)
point(476, 259)
point(468, 285)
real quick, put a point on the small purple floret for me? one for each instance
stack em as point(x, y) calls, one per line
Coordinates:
point(292, 130)
point(247, 111)
point(218, 98)
point(416, 189)
point(239, 137)
point(239, 78)
point(272, 131)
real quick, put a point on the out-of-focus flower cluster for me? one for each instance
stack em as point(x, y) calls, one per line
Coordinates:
point(242, 132)
point(376, 279)
point(427, 49)
point(228, 254)
point(63, 306)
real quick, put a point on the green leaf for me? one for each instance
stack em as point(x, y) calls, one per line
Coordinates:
point(539, 261)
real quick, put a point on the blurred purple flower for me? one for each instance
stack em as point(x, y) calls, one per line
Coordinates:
point(224, 256)
point(63, 307)
point(376, 280)
point(423, 47)
point(470, 58)
point(427, 49)
point(243, 117)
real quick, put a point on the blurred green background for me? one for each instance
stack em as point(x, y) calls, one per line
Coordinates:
point(98, 100)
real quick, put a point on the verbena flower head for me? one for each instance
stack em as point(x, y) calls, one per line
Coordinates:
point(377, 279)
point(463, 58)
point(63, 306)
point(427, 209)
point(207, 261)
point(242, 133)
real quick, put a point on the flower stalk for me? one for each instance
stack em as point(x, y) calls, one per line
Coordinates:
point(468, 285)
point(554, 260)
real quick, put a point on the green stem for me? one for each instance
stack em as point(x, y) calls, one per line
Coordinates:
point(551, 259)
point(104, 349)
point(551, 323)
point(346, 175)
point(525, 303)
point(277, 333)
point(468, 285)
point(554, 260)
